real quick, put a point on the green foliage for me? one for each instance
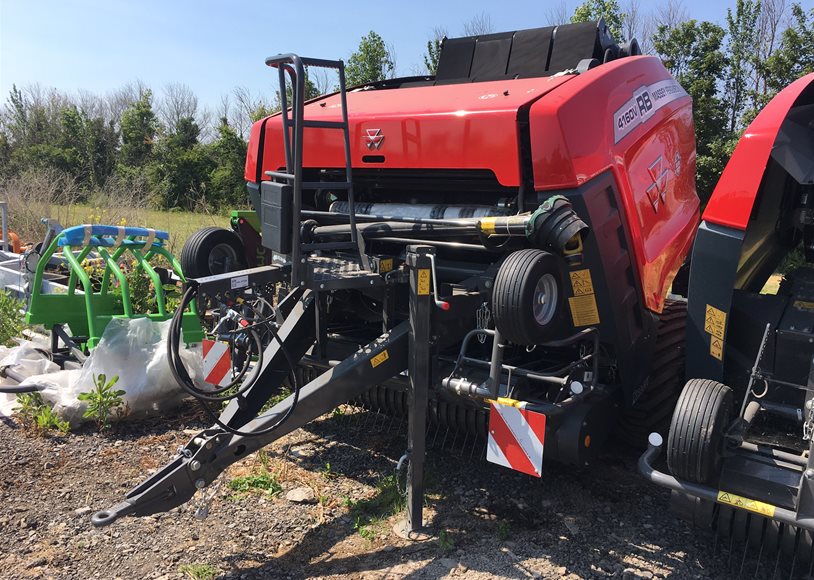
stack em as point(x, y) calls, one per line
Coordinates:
point(503, 530)
point(264, 481)
point(445, 541)
point(34, 414)
point(795, 56)
point(139, 126)
point(742, 33)
point(11, 318)
point(226, 182)
point(370, 514)
point(103, 400)
point(693, 52)
point(596, 9)
point(199, 571)
point(370, 63)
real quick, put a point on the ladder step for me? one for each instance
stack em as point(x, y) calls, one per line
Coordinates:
point(326, 185)
point(321, 62)
point(324, 124)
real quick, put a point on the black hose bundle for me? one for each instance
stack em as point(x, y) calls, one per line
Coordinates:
point(181, 375)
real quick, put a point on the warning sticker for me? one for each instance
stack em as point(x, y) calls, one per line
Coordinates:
point(584, 310)
point(385, 265)
point(715, 321)
point(716, 347)
point(423, 281)
point(745, 503)
point(803, 305)
point(581, 282)
point(379, 359)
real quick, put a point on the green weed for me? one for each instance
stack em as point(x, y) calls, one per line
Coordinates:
point(34, 414)
point(369, 515)
point(199, 571)
point(503, 530)
point(11, 319)
point(445, 541)
point(102, 400)
point(264, 481)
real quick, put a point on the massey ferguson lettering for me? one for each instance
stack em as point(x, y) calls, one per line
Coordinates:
point(643, 105)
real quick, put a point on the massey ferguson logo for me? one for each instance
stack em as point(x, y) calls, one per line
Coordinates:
point(374, 139)
point(659, 171)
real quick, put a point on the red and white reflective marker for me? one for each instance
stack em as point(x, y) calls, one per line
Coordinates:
point(217, 363)
point(516, 438)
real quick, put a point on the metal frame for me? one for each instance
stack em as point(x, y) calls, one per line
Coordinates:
point(293, 129)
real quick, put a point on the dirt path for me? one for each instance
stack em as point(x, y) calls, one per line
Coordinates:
point(489, 522)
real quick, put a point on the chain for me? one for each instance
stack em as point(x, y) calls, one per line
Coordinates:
point(202, 506)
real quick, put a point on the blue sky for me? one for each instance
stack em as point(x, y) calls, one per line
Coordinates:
point(214, 46)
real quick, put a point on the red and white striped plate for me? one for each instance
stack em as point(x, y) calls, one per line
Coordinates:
point(516, 438)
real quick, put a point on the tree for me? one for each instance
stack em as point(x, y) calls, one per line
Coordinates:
point(371, 62)
point(478, 25)
point(228, 151)
point(742, 32)
point(795, 55)
point(692, 51)
point(434, 49)
point(139, 126)
point(596, 9)
point(180, 170)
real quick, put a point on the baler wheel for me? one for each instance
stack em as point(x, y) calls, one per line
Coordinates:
point(695, 443)
point(212, 251)
point(527, 298)
point(655, 405)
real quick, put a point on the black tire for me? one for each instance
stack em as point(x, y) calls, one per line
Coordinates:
point(654, 407)
point(695, 442)
point(515, 292)
point(212, 251)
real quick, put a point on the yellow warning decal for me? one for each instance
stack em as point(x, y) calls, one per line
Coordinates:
point(715, 321)
point(423, 281)
point(581, 282)
point(745, 503)
point(385, 265)
point(716, 347)
point(584, 310)
point(487, 225)
point(803, 305)
point(379, 359)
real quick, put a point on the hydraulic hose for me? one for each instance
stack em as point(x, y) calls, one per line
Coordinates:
point(181, 375)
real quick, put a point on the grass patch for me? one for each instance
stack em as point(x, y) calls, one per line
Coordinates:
point(11, 318)
point(264, 481)
point(370, 515)
point(199, 571)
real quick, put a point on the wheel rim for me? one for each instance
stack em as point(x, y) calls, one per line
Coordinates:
point(222, 258)
point(545, 299)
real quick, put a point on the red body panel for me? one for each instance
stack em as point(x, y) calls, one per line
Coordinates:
point(573, 140)
point(462, 126)
point(731, 202)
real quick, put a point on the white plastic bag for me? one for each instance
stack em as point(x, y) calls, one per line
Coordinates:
point(26, 360)
point(135, 350)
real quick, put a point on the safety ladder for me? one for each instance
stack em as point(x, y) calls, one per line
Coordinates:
point(319, 272)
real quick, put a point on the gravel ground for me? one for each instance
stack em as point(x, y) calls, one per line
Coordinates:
point(488, 522)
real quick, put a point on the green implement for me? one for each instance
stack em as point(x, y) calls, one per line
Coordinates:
point(87, 310)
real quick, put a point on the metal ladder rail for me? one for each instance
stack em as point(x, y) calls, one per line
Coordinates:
point(293, 130)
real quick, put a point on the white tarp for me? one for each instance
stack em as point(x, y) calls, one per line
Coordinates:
point(135, 350)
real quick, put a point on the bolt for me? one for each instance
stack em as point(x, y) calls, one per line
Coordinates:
point(321, 286)
point(200, 483)
point(302, 260)
point(209, 445)
point(195, 465)
point(198, 441)
point(488, 284)
point(809, 473)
